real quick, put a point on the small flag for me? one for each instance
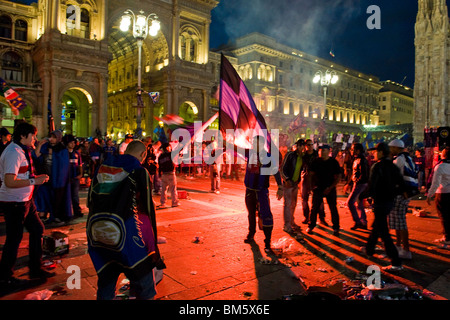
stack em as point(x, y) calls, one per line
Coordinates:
point(15, 101)
point(154, 96)
point(171, 119)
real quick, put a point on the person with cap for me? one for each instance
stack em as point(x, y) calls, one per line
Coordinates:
point(5, 139)
point(53, 197)
point(385, 181)
point(309, 155)
point(397, 217)
point(359, 179)
point(326, 174)
point(124, 144)
point(440, 188)
point(76, 172)
point(168, 177)
point(290, 172)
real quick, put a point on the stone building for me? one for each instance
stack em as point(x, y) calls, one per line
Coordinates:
point(74, 53)
point(280, 78)
point(432, 85)
point(396, 104)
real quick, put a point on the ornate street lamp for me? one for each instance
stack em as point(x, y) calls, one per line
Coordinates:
point(142, 26)
point(325, 79)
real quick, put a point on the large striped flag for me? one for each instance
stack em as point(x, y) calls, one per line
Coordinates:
point(238, 111)
point(15, 101)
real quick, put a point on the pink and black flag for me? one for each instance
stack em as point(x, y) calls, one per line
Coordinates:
point(238, 111)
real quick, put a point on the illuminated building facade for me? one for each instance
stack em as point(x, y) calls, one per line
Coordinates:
point(280, 79)
point(75, 53)
point(432, 85)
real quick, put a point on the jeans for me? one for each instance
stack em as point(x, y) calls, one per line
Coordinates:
point(380, 230)
point(305, 192)
point(143, 288)
point(443, 207)
point(18, 215)
point(317, 203)
point(169, 180)
point(74, 191)
point(290, 195)
point(215, 177)
point(258, 201)
point(354, 197)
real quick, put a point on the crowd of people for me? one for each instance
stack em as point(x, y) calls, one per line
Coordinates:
point(387, 177)
point(40, 183)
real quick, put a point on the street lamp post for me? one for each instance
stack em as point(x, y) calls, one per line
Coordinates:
point(141, 29)
point(325, 79)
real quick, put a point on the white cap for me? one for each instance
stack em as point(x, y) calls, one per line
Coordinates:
point(397, 143)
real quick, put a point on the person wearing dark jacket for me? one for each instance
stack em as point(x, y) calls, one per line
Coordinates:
point(121, 226)
point(290, 172)
point(256, 181)
point(359, 179)
point(385, 182)
point(326, 174)
point(168, 177)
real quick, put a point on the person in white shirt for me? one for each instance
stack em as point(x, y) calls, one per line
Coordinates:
point(123, 146)
point(440, 188)
point(16, 202)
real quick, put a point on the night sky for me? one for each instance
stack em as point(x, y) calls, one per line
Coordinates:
point(318, 26)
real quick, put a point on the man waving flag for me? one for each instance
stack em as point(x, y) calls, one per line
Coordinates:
point(238, 111)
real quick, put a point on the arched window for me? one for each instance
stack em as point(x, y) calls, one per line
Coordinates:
point(5, 27)
point(189, 45)
point(21, 30)
point(85, 28)
point(78, 22)
point(12, 65)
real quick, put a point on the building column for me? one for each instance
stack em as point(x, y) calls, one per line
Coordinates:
point(56, 105)
point(102, 102)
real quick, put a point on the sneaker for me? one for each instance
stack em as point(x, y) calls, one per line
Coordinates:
point(296, 227)
point(442, 241)
point(324, 223)
point(357, 226)
point(217, 192)
point(309, 230)
point(305, 221)
point(41, 274)
point(161, 206)
point(158, 275)
point(249, 239)
point(289, 230)
point(403, 254)
point(13, 284)
point(392, 268)
point(176, 205)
